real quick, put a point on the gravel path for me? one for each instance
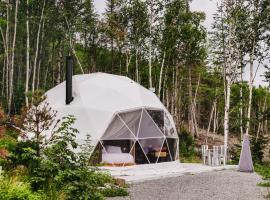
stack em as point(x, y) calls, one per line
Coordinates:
point(220, 185)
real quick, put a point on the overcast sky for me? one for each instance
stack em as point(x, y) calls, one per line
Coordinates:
point(209, 7)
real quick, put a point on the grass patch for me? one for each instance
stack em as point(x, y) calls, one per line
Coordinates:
point(264, 170)
point(192, 159)
point(264, 184)
point(267, 196)
point(114, 192)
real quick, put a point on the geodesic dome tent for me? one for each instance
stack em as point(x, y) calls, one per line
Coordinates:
point(127, 122)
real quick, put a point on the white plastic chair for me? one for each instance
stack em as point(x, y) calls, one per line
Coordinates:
point(209, 156)
point(221, 154)
point(216, 156)
point(204, 149)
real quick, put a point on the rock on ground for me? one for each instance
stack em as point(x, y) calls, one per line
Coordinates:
point(219, 185)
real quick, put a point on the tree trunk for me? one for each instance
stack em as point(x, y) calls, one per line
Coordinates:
point(72, 47)
point(190, 115)
point(194, 107)
point(176, 89)
point(172, 94)
point(164, 89)
point(241, 103)
point(58, 80)
point(137, 67)
point(251, 62)
point(150, 54)
point(37, 48)
point(263, 110)
point(4, 64)
point(215, 122)
point(40, 54)
point(27, 54)
point(210, 120)
point(128, 60)
point(94, 66)
point(12, 59)
point(161, 74)
point(226, 118)
point(112, 55)
point(7, 53)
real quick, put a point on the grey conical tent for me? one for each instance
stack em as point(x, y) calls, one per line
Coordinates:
point(245, 162)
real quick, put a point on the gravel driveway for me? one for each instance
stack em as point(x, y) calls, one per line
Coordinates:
point(219, 185)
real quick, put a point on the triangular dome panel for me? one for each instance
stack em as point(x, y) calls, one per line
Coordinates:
point(117, 130)
point(152, 148)
point(148, 128)
point(132, 119)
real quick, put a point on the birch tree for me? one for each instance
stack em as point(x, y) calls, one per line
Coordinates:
point(138, 31)
point(155, 11)
point(37, 46)
point(255, 45)
point(11, 73)
point(225, 57)
point(27, 53)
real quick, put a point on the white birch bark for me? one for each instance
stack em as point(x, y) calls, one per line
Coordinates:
point(13, 58)
point(227, 77)
point(215, 122)
point(27, 54)
point(172, 94)
point(72, 48)
point(150, 48)
point(161, 74)
point(190, 121)
point(37, 48)
point(58, 80)
point(137, 66)
point(241, 104)
point(250, 87)
point(226, 117)
point(7, 53)
point(4, 64)
point(40, 54)
point(263, 110)
point(195, 105)
point(128, 60)
point(210, 121)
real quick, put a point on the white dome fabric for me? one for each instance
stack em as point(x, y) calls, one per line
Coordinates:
point(98, 97)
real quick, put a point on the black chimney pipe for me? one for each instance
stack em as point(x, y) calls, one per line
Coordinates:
point(69, 73)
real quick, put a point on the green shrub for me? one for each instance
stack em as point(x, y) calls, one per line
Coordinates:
point(6, 143)
point(114, 191)
point(12, 189)
point(58, 171)
point(264, 184)
point(84, 183)
point(62, 172)
point(257, 148)
point(187, 147)
point(264, 170)
point(235, 154)
point(24, 153)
